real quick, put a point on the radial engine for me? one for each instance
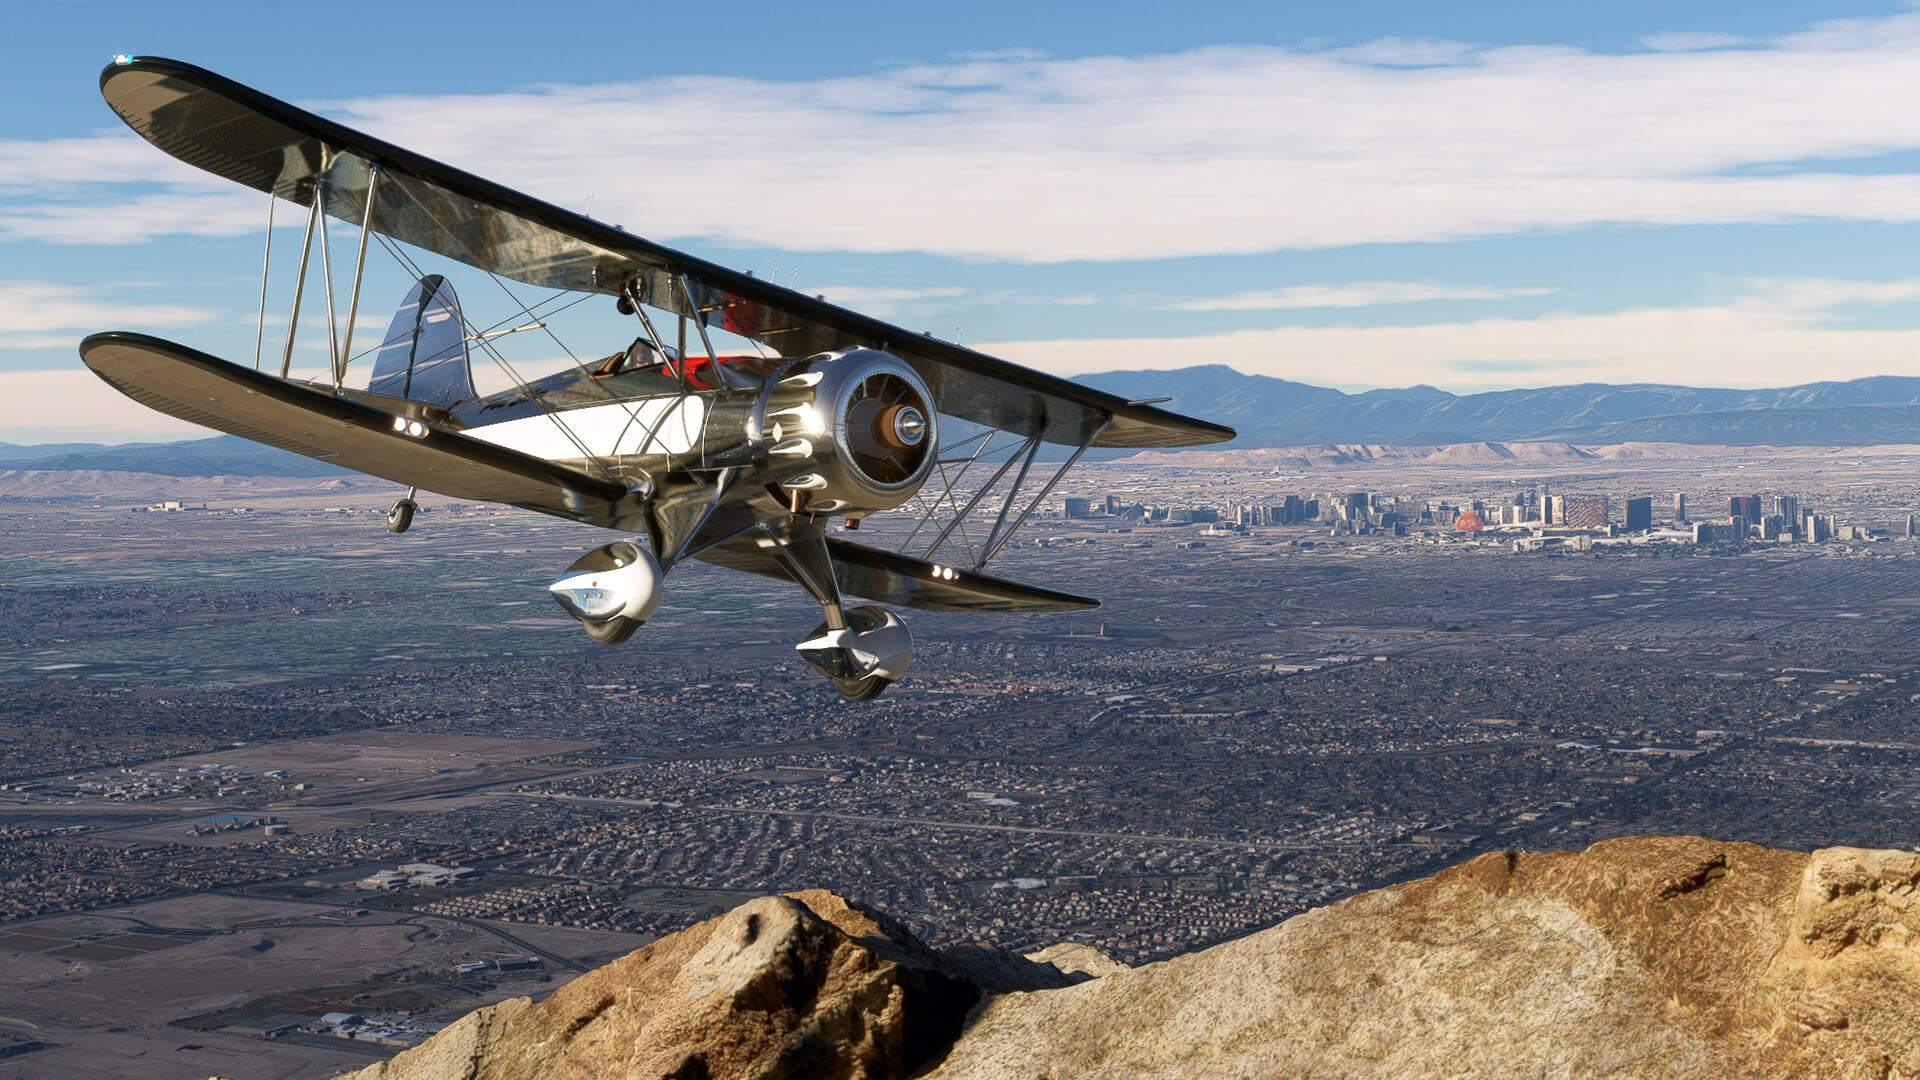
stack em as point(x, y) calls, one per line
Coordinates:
point(849, 433)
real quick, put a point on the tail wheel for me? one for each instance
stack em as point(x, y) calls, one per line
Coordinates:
point(400, 515)
point(612, 631)
point(865, 688)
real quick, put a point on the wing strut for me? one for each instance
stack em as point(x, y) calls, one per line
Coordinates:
point(359, 272)
point(1059, 475)
point(266, 266)
point(700, 324)
point(299, 287)
point(988, 546)
point(1032, 444)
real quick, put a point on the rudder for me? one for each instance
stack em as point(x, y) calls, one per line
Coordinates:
point(424, 356)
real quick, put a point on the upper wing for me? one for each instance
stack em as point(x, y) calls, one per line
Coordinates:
point(903, 581)
point(209, 391)
point(246, 136)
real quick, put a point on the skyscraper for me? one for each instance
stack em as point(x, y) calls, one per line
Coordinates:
point(1584, 511)
point(1744, 506)
point(1639, 514)
point(1679, 508)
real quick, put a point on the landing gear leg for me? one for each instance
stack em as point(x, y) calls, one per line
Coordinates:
point(400, 514)
point(861, 651)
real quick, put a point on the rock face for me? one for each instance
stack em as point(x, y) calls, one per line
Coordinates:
point(1648, 957)
point(805, 985)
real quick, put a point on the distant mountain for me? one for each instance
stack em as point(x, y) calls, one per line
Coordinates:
point(1271, 412)
point(222, 455)
point(11, 452)
point(1277, 412)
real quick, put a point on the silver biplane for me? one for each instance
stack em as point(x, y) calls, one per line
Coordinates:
point(738, 461)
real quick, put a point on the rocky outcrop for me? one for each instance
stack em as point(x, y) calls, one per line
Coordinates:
point(805, 985)
point(1647, 957)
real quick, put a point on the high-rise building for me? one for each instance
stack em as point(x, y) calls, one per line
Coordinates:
point(1581, 511)
point(1679, 508)
point(1550, 512)
point(1639, 514)
point(1746, 506)
point(1079, 508)
point(1788, 506)
point(1913, 524)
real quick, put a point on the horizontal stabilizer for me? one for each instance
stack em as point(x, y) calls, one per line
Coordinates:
point(396, 445)
point(904, 581)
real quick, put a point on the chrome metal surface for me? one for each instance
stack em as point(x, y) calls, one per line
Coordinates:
point(872, 643)
point(1060, 474)
point(326, 280)
point(266, 266)
point(618, 580)
point(706, 342)
point(722, 484)
point(299, 286)
point(1032, 443)
point(987, 546)
point(359, 273)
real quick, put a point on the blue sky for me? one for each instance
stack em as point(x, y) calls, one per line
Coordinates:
point(1474, 197)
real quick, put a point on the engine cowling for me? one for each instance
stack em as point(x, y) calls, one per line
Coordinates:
point(862, 443)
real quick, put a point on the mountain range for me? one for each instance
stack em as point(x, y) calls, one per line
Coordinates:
point(1271, 412)
point(1278, 412)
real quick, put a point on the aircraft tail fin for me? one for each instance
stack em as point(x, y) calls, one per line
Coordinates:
point(424, 355)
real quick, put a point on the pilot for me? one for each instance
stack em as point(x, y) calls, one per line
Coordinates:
point(635, 357)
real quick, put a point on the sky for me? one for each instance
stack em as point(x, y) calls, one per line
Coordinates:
point(1473, 197)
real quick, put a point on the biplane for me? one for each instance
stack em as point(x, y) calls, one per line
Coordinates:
point(741, 461)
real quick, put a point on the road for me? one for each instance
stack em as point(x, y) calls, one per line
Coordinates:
point(935, 823)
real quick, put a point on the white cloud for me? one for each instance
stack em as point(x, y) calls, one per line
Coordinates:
point(1692, 41)
point(1352, 295)
point(882, 302)
point(1814, 294)
point(74, 405)
point(1001, 54)
point(1230, 150)
point(137, 218)
point(28, 309)
point(1406, 52)
point(1781, 334)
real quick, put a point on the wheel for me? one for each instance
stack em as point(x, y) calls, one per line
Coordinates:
point(400, 515)
point(611, 631)
point(865, 688)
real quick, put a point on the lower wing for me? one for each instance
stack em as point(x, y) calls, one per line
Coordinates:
point(392, 444)
point(903, 581)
